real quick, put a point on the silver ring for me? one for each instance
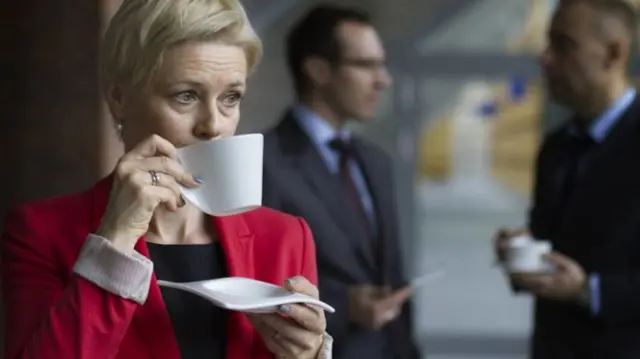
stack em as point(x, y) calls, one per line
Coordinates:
point(155, 180)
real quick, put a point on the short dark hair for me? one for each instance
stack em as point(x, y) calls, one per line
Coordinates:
point(315, 35)
point(619, 9)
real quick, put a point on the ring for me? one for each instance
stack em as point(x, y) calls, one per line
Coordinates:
point(155, 180)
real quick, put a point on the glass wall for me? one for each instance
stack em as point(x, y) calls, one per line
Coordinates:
point(464, 122)
point(477, 141)
point(476, 118)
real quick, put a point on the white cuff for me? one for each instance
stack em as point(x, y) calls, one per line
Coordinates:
point(127, 275)
point(327, 347)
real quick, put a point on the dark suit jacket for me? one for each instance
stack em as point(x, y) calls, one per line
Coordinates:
point(297, 181)
point(599, 227)
point(51, 313)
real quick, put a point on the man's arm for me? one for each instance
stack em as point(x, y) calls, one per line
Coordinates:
point(615, 296)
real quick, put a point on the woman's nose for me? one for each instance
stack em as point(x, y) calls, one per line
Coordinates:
point(209, 125)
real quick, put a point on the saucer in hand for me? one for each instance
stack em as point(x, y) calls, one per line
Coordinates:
point(245, 294)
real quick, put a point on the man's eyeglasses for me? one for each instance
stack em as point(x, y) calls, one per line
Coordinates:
point(369, 64)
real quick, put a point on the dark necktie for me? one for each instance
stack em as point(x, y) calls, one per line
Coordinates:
point(346, 155)
point(580, 146)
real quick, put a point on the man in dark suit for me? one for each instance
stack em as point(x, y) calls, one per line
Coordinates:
point(342, 185)
point(587, 190)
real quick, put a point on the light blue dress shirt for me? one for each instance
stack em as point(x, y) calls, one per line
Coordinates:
point(598, 131)
point(321, 133)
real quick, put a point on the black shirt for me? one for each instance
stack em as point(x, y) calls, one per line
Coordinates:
point(200, 327)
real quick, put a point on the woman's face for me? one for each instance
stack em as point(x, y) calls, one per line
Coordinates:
point(194, 95)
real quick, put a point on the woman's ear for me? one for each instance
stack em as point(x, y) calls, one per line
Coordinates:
point(115, 101)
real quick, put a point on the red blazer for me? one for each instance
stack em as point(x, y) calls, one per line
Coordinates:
point(51, 313)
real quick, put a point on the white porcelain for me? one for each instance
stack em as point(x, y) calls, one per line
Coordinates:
point(245, 294)
point(231, 171)
point(521, 240)
point(527, 256)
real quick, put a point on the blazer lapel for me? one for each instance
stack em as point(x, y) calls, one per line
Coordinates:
point(380, 187)
point(237, 241)
point(326, 186)
point(152, 321)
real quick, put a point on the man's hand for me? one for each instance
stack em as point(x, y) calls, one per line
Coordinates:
point(373, 307)
point(568, 282)
point(501, 241)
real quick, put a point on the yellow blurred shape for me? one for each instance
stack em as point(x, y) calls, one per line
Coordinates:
point(516, 138)
point(532, 39)
point(434, 150)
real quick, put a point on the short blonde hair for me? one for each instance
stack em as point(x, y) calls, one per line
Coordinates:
point(142, 30)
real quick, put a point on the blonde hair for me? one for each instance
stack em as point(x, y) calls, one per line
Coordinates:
point(142, 30)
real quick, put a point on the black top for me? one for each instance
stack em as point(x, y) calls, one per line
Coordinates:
point(200, 328)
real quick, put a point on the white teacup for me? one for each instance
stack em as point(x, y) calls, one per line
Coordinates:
point(231, 172)
point(526, 255)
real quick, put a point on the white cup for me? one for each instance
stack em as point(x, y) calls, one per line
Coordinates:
point(231, 172)
point(527, 256)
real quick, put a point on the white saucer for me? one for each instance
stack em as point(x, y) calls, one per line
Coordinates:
point(546, 269)
point(245, 294)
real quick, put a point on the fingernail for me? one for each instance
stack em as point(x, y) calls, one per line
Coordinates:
point(182, 202)
point(285, 308)
point(291, 281)
point(198, 180)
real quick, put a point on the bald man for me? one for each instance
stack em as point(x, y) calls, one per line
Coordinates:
point(587, 190)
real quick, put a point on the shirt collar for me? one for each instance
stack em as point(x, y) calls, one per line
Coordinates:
point(318, 129)
point(602, 125)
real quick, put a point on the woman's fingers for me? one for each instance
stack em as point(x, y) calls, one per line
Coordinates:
point(270, 336)
point(290, 332)
point(156, 195)
point(168, 166)
point(300, 284)
point(155, 154)
point(154, 145)
point(147, 176)
point(309, 318)
point(287, 337)
point(146, 179)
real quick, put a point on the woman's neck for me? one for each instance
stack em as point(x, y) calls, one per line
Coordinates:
point(187, 225)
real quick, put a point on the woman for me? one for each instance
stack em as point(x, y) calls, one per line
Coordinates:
point(80, 271)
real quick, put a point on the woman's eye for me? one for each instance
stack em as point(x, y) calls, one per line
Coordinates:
point(232, 99)
point(185, 97)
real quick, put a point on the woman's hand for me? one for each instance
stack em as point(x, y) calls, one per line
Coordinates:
point(298, 330)
point(146, 177)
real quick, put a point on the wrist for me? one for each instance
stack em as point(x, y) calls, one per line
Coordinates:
point(584, 295)
point(326, 347)
point(117, 239)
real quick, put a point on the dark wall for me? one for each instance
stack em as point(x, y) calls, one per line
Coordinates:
point(49, 101)
point(49, 132)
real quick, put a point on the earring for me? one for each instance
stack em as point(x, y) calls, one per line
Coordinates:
point(119, 128)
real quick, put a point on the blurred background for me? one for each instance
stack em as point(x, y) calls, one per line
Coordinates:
point(463, 121)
